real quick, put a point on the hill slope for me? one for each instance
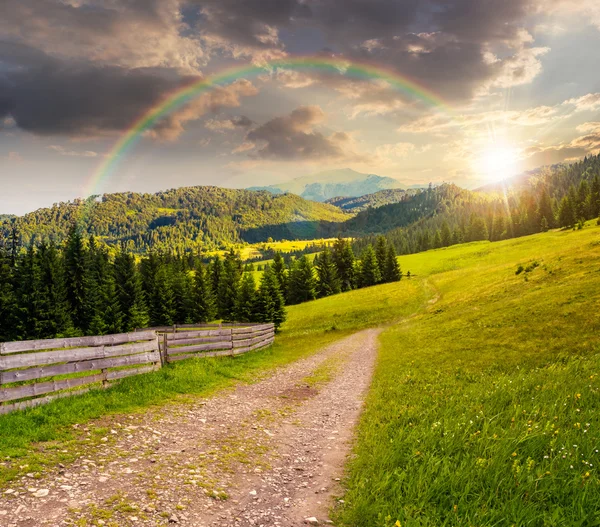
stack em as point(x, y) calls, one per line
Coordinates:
point(374, 200)
point(334, 183)
point(189, 218)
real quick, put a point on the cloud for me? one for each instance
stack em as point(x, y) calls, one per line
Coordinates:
point(593, 126)
point(588, 102)
point(60, 150)
point(14, 157)
point(231, 123)
point(134, 34)
point(293, 137)
point(172, 126)
point(549, 155)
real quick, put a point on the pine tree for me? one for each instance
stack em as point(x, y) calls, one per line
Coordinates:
point(392, 267)
point(215, 271)
point(53, 318)
point(437, 239)
point(369, 269)
point(566, 213)
point(280, 272)
point(381, 250)
point(345, 263)
point(75, 270)
point(446, 235)
point(203, 298)
point(269, 305)
point(229, 284)
point(25, 295)
point(328, 282)
point(8, 322)
point(130, 293)
point(182, 283)
point(595, 197)
point(301, 283)
point(478, 229)
point(544, 209)
point(246, 300)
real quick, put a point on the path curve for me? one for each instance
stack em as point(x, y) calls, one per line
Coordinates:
point(264, 454)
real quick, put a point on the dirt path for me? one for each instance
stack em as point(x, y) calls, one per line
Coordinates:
point(265, 454)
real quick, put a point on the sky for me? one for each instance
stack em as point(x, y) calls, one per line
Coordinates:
point(512, 85)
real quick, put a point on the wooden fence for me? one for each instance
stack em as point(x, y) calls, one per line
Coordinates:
point(34, 372)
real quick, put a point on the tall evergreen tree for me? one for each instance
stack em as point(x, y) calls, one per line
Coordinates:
point(345, 262)
point(8, 323)
point(130, 293)
point(279, 268)
point(381, 250)
point(478, 229)
point(204, 303)
point(369, 268)
point(246, 300)
point(75, 271)
point(566, 213)
point(301, 283)
point(446, 234)
point(229, 284)
point(328, 282)
point(392, 267)
point(269, 305)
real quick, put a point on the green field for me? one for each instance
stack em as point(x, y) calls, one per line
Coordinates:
point(484, 408)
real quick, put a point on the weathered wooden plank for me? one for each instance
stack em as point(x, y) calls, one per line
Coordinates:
point(199, 347)
point(41, 388)
point(252, 329)
point(77, 367)
point(207, 355)
point(246, 336)
point(70, 355)
point(121, 374)
point(207, 340)
point(74, 342)
point(7, 408)
point(259, 345)
point(252, 340)
point(205, 333)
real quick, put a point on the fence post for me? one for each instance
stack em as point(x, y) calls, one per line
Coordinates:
point(165, 348)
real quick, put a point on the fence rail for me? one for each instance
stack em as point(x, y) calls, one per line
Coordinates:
point(34, 372)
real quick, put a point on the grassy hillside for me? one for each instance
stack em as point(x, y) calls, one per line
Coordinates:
point(191, 218)
point(484, 407)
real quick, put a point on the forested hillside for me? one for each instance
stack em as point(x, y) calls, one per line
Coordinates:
point(374, 200)
point(179, 220)
point(562, 196)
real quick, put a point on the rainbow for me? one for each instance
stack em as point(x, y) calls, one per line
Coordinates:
point(182, 95)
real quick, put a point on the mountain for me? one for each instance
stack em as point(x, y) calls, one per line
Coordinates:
point(334, 183)
point(184, 219)
point(377, 199)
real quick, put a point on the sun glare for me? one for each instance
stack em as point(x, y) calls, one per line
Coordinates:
point(498, 162)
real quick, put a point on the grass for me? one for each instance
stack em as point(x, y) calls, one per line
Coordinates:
point(36, 438)
point(484, 407)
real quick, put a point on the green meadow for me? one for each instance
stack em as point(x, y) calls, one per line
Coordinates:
point(484, 407)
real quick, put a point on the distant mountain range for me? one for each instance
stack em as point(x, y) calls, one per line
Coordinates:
point(344, 182)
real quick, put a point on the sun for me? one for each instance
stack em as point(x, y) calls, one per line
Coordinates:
point(497, 162)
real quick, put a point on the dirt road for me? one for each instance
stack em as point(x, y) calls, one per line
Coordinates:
point(264, 454)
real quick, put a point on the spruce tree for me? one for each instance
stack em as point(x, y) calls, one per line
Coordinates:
point(381, 250)
point(205, 309)
point(75, 271)
point(8, 308)
point(229, 283)
point(130, 293)
point(369, 268)
point(301, 283)
point(269, 305)
point(446, 235)
point(392, 267)
point(279, 268)
point(345, 263)
point(566, 213)
point(328, 282)
point(246, 300)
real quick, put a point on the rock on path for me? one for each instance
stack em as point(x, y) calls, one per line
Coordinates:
point(265, 454)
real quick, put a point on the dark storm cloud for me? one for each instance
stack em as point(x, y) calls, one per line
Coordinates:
point(294, 137)
point(50, 96)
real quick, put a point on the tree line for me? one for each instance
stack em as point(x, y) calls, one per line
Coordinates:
point(84, 288)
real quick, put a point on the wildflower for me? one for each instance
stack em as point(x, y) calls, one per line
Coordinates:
point(397, 524)
point(514, 454)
